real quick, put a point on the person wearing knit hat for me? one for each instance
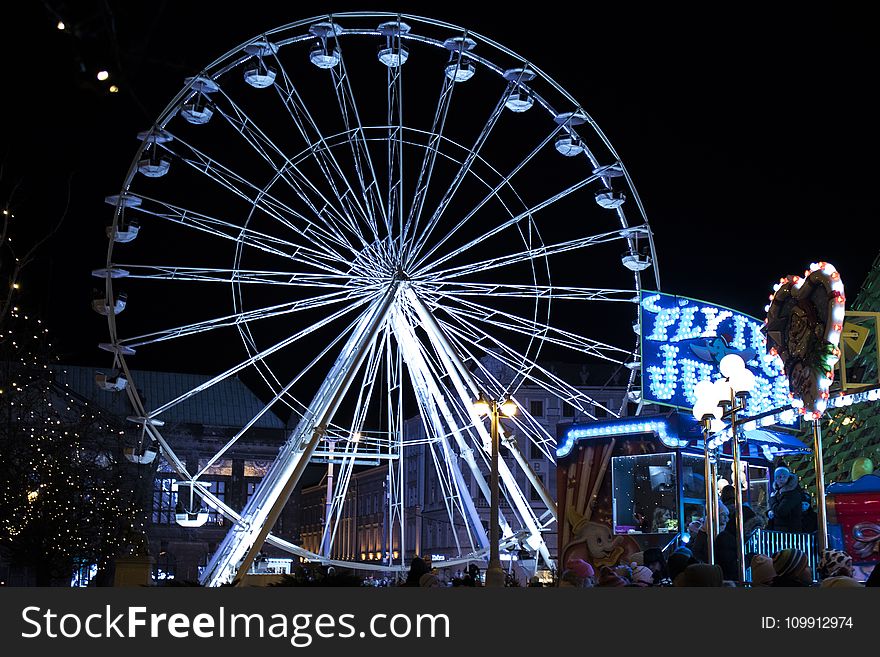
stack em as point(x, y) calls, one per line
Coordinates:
point(581, 568)
point(642, 576)
point(792, 568)
point(841, 581)
point(834, 563)
point(701, 574)
point(678, 561)
point(762, 570)
point(785, 502)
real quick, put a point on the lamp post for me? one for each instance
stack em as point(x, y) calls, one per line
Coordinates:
point(494, 409)
point(709, 414)
point(728, 396)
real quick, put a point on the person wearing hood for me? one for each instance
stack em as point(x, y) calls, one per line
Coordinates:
point(785, 502)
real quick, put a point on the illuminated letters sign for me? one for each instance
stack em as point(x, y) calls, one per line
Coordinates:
point(683, 340)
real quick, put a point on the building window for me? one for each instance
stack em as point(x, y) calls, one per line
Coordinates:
point(256, 468)
point(219, 468)
point(598, 411)
point(164, 501)
point(535, 452)
point(567, 409)
point(536, 408)
point(251, 488)
point(219, 489)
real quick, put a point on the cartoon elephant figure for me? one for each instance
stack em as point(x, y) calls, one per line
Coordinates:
point(595, 543)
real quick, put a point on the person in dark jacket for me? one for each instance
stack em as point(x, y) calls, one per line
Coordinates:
point(809, 518)
point(417, 568)
point(726, 550)
point(785, 502)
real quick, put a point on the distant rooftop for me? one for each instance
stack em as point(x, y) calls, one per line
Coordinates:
point(229, 403)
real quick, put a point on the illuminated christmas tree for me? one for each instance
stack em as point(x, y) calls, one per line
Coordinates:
point(68, 498)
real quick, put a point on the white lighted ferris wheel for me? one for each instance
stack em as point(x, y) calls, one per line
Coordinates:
point(357, 209)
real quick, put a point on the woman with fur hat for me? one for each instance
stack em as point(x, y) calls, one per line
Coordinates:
point(785, 502)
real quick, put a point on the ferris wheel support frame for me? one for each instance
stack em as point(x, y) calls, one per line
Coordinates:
point(462, 381)
point(244, 540)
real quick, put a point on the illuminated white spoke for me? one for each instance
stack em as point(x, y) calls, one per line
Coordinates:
point(528, 425)
point(422, 238)
point(235, 233)
point(427, 170)
point(543, 251)
point(263, 277)
point(477, 312)
point(299, 182)
point(529, 369)
point(316, 235)
point(493, 193)
point(434, 404)
point(395, 150)
point(504, 225)
point(291, 339)
point(323, 156)
point(360, 150)
point(554, 292)
point(365, 392)
point(244, 318)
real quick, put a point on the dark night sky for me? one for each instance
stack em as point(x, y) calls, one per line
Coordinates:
point(751, 138)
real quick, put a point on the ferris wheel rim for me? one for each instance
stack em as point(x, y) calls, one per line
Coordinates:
point(168, 114)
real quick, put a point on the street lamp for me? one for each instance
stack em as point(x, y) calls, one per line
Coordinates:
point(728, 395)
point(709, 414)
point(494, 409)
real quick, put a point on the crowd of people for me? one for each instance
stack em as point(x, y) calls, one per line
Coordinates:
point(786, 568)
point(789, 509)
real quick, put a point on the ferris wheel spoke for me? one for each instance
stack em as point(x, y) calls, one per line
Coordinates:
point(530, 427)
point(421, 239)
point(465, 388)
point(395, 150)
point(427, 170)
point(235, 233)
point(260, 356)
point(528, 368)
point(368, 380)
point(434, 404)
point(513, 221)
point(477, 312)
point(526, 255)
point(244, 317)
point(314, 234)
point(325, 159)
point(286, 170)
point(554, 292)
point(360, 151)
point(263, 277)
point(506, 181)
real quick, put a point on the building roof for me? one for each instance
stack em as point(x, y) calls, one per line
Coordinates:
point(229, 403)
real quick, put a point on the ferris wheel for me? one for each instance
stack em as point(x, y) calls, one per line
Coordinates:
point(376, 217)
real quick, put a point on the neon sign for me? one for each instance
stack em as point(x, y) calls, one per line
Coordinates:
point(683, 340)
